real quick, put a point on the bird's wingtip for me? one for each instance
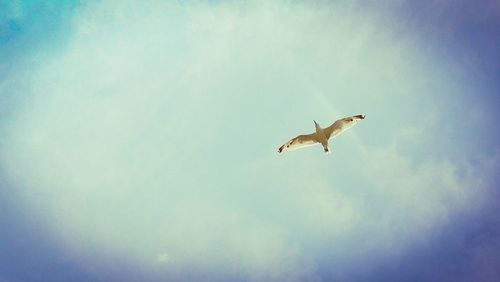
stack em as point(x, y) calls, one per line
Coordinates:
point(280, 149)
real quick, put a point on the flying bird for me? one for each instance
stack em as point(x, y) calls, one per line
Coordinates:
point(322, 135)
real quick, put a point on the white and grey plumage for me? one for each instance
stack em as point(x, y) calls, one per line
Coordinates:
point(322, 135)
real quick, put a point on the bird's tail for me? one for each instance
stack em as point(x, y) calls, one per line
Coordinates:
point(327, 150)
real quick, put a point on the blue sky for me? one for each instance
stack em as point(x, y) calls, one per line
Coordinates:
point(139, 141)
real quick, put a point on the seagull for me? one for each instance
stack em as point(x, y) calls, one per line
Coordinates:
point(322, 135)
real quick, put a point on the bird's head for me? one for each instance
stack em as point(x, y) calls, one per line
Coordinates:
point(316, 124)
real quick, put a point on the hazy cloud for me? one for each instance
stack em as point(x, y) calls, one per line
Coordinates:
point(153, 135)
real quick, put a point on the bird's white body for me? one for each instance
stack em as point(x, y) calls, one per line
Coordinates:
point(321, 138)
point(321, 135)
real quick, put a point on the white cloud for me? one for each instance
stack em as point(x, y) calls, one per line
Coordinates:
point(156, 130)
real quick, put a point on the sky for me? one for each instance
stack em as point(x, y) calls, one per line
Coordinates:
point(138, 140)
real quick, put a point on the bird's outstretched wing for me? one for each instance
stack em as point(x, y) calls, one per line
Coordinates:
point(298, 142)
point(341, 125)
